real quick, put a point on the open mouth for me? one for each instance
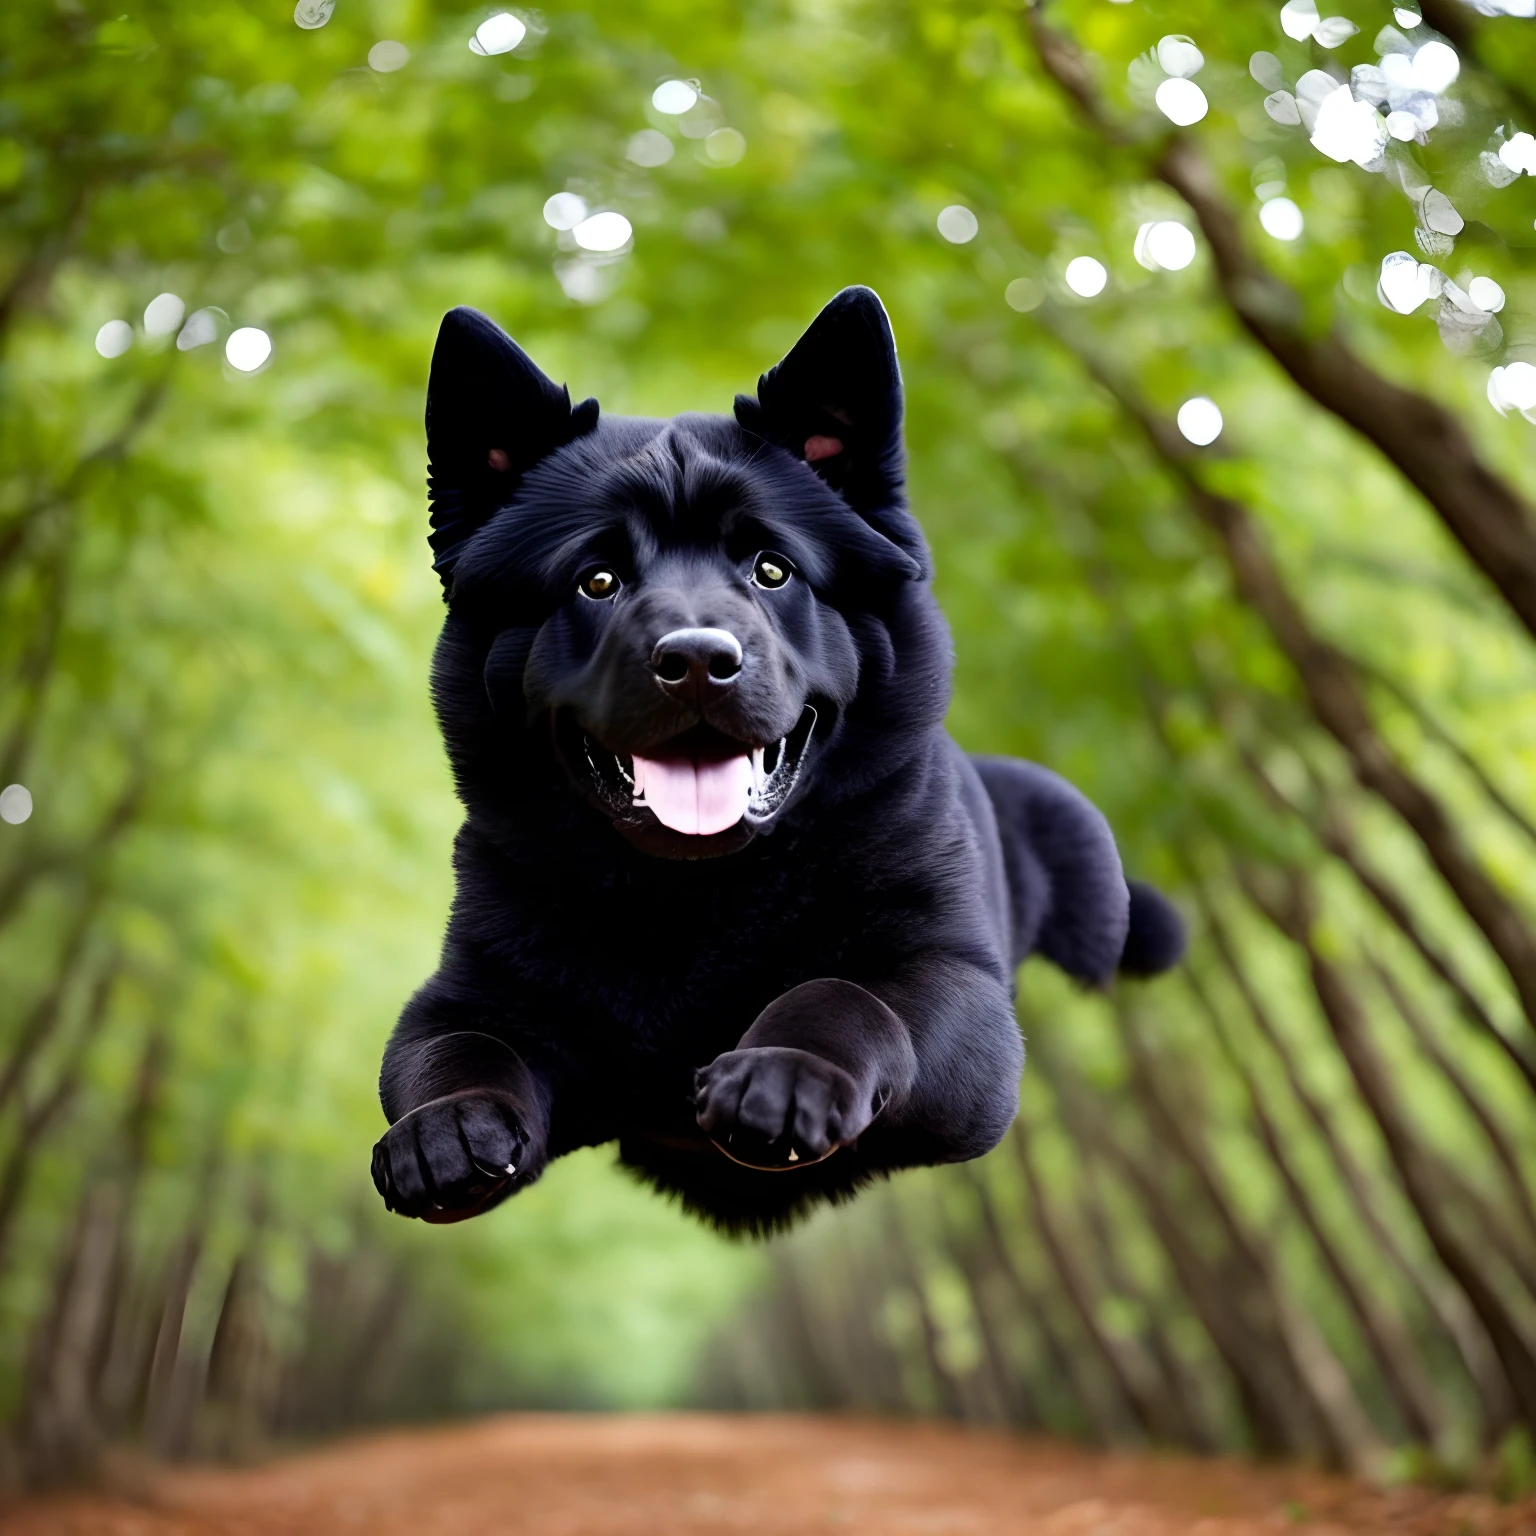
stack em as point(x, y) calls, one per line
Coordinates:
point(699, 783)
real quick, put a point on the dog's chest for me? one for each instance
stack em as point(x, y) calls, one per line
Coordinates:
point(686, 965)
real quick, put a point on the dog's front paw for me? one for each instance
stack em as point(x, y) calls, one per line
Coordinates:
point(454, 1157)
point(777, 1107)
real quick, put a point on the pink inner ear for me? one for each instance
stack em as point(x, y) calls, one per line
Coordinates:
point(497, 459)
point(822, 448)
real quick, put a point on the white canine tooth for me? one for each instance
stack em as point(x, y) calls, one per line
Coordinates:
point(757, 769)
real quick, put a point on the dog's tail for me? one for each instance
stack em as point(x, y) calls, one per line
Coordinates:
point(1156, 938)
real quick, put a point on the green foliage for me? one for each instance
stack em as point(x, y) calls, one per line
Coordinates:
point(216, 612)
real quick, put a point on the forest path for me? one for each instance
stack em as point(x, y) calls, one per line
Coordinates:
point(701, 1475)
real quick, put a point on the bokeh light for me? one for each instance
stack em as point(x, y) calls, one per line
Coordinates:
point(1281, 106)
point(1178, 55)
point(248, 348)
point(1200, 421)
point(603, 232)
point(650, 147)
point(1513, 388)
point(114, 338)
point(1333, 30)
point(1168, 245)
point(725, 146)
point(310, 14)
point(1267, 70)
point(1347, 129)
point(201, 328)
point(1086, 277)
point(1435, 66)
point(1406, 282)
point(1024, 294)
point(387, 56)
point(957, 224)
point(1519, 153)
point(1298, 19)
point(1181, 101)
point(565, 210)
point(1486, 294)
point(163, 314)
point(674, 97)
point(15, 804)
point(1281, 218)
point(500, 33)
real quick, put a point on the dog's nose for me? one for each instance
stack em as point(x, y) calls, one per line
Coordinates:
point(697, 658)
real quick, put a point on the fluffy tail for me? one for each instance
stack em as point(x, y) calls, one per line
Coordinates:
point(1156, 938)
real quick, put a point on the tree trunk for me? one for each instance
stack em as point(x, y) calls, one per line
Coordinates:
point(1389, 1342)
point(1346, 1018)
point(1446, 1305)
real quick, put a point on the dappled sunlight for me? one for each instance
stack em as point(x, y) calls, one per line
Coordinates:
point(603, 232)
point(114, 338)
point(1181, 101)
point(1200, 421)
point(1281, 218)
point(957, 224)
point(386, 57)
point(564, 210)
point(163, 314)
point(500, 33)
point(248, 348)
point(1086, 276)
point(1166, 246)
point(675, 97)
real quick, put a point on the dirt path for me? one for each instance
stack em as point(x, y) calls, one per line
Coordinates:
point(718, 1476)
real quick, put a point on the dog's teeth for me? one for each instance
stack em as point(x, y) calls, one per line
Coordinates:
point(757, 768)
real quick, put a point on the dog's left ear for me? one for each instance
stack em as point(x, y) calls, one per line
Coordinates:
point(492, 415)
point(836, 402)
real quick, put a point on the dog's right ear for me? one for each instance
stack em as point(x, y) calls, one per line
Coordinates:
point(491, 416)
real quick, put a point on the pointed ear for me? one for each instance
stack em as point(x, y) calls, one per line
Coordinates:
point(491, 416)
point(835, 401)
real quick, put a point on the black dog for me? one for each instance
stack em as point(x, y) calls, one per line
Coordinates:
point(727, 892)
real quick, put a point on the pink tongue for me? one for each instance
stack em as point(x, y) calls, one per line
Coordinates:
point(698, 798)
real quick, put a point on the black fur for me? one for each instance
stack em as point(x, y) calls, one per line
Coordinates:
point(772, 1013)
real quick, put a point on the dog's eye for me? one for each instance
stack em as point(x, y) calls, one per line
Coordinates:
point(600, 584)
point(770, 571)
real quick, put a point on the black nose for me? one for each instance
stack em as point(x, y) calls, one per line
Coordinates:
point(697, 658)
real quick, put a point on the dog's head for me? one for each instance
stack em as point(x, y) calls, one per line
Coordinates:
point(691, 615)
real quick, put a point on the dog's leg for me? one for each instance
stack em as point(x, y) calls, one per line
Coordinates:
point(932, 1064)
point(469, 1122)
point(816, 1067)
point(970, 1056)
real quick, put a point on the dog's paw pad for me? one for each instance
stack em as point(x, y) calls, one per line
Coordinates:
point(450, 1158)
point(780, 1108)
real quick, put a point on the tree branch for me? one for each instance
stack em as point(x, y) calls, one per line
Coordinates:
point(1427, 442)
point(1334, 693)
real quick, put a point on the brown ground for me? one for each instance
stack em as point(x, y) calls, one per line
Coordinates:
point(717, 1476)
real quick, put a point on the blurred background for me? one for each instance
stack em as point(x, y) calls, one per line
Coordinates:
point(1220, 345)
